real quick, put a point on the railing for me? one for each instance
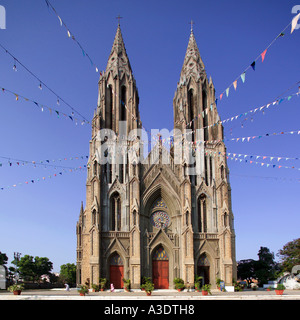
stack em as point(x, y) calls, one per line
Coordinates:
point(201, 236)
point(115, 234)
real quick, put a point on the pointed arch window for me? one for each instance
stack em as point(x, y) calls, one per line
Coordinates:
point(115, 212)
point(134, 217)
point(226, 220)
point(206, 163)
point(202, 213)
point(187, 218)
point(191, 111)
point(94, 217)
point(134, 168)
point(109, 107)
point(121, 169)
point(109, 173)
point(123, 104)
point(222, 172)
point(204, 113)
point(95, 168)
point(79, 236)
point(210, 170)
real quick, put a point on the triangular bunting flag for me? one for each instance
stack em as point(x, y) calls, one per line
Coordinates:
point(235, 84)
point(60, 21)
point(253, 65)
point(243, 76)
point(263, 55)
point(227, 92)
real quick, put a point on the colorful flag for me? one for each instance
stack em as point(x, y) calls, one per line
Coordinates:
point(243, 76)
point(263, 55)
point(235, 84)
point(227, 92)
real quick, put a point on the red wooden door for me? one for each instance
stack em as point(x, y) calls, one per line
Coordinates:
point(160, 270)
point(116, 276)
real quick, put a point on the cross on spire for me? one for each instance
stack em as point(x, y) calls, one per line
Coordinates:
point(119, 18)
point(192, 23)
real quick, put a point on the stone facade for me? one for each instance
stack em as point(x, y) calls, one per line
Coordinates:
point(166, 213)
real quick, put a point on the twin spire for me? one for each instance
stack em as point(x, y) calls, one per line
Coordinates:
point(192, 64)
point(118, 62)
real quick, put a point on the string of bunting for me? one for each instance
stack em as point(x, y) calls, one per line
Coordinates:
point(238, 155)
point(43, 84)
point(72, 36)
point(44, 163)
point(262, 163)
point(194, 144)
point(261, 56)
point(245, 156)
point(32, 181)
point(275, 102)
point(266, 178)
point(43, 106)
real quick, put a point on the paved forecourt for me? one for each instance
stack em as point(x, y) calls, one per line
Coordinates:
point(56, 294)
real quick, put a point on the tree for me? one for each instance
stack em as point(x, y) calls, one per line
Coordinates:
point(265, 267)
point(32, 269)
point(290, 255)
point(245, 270)
point(3, 258)
point(262, 269)
point(68, 273)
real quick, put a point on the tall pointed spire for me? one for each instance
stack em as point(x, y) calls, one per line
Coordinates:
point(118, 44)
point(118, 59)
point(193, 65)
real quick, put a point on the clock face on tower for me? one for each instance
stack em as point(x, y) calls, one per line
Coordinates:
point(160, 219)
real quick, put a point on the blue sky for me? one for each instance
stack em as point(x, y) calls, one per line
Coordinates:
point(40, 218)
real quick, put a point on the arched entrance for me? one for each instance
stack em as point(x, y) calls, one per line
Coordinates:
point(203, 268)
point(160, 268)
point(116, 269)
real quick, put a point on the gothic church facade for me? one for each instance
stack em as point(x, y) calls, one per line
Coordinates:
point(151, 218)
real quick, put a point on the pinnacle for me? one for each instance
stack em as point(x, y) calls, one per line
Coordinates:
point(192, 49)
point(118, 44)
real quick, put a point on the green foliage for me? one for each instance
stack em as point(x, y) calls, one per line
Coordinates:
point(148, 286)
point(198, 282)
point(146, 279)
point(15, 287)
point(32, 269)
point(3, 259)
point(263, 269)
point(95, 287)
point(218, 282)
point(126, 283)
point(237, 286)
point(290, 255)
point(83, 289)
point(179, 283)
point(102, 283)
point(68, 273)
point(280, 286)
point(206, 287)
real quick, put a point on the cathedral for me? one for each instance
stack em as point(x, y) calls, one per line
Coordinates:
point(165, 213)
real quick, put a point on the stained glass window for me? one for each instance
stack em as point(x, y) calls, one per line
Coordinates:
point(160, 219)
point(159, 203)
point(203, 260)
point(116, 260)
point(160, 254)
